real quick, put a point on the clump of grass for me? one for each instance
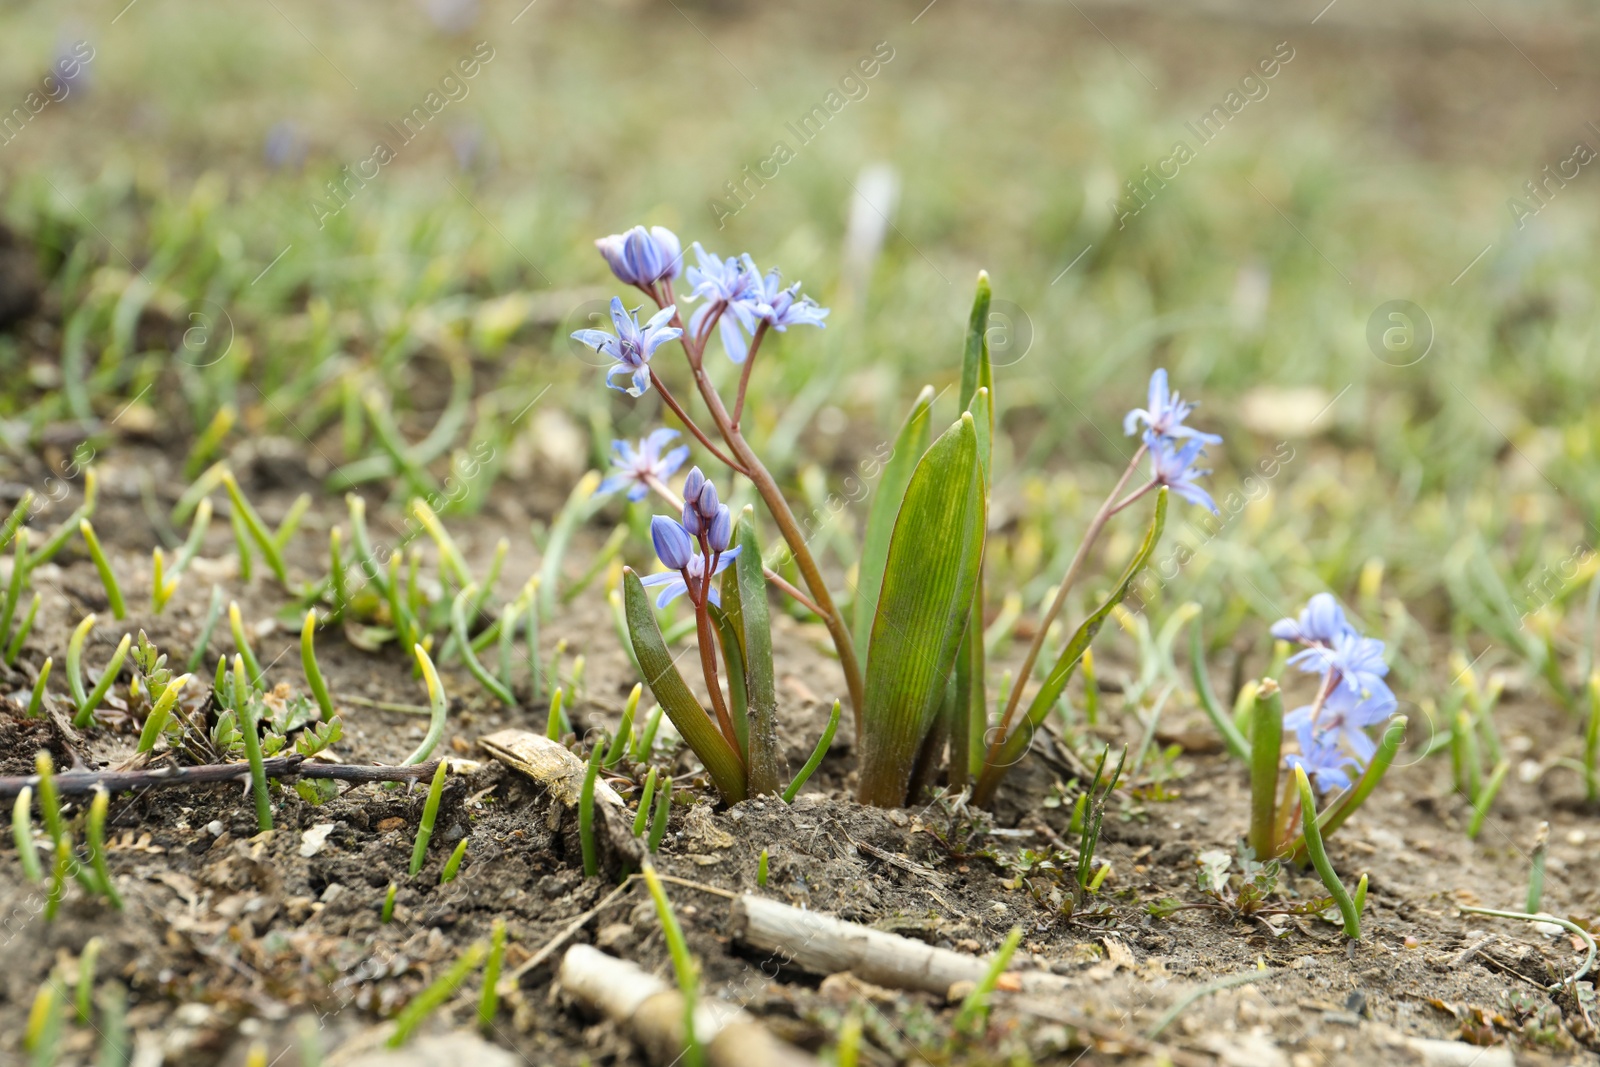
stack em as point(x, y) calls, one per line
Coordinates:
point(241, 644)
point(815, 759)
point(86, 968)
point(438, 707)
point(555, 726)
point(308, 662)
point(108, 577)
point(683, 964)
point(156, 722)
point(246, 515)
point(96, 835)
point(213, 613)
point(249, 726)
point(591, 860)
point(642, 816)
point(761, 869)
point(453, 865)
point(489, 999)
point(14, 649)
point(619, 744)
point(663, 815)
point(974, 1011)
point(22, 834)
point(43, 1036)
point(430, 812)
point(1348, 909)
point(387, 913)
point(458, 626)
point(36, 700)
point(430, 999)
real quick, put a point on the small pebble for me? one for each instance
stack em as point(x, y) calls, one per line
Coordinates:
point(214, 827)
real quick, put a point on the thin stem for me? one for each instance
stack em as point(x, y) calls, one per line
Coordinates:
point(1135, 495)
point(699, 434)
point(744, 372)
point(1098, 523)
point(708, 663)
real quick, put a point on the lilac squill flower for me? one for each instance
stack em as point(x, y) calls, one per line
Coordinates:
point(1343, 721)
point(674, 547)
point(778, 307)
point(1325, 763)
point(1164, 417)
point(637, 467)
point(632, 345)
point(674, 584)
point(723, 284)
point(1321, 621)
point(1173, 466)
point(643, 257)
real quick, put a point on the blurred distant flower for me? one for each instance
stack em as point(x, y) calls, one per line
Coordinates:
point(643, 257)
point(638, 467)
point(284, 147)
point(1321, 621)
point(472, 147)
point(724, 284)
point(1324, 762)
point(451, 16)
point(632, 345)
point(1173, 466)
point(1164, 417)
point(1344, 718)
point(70, 67)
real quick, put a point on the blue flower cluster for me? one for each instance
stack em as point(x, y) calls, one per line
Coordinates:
point(1174, 447)
point(738, 299)
point(684, 546)
point(1332, 732)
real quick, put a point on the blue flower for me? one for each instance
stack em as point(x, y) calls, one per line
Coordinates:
point(638, 467)
point(778, 307)
point(1356, 662)
point(1173, 466)
point(674, 546)
point(1325, 763)
point(725, 284)
point(1164, 417)
point(642, 257)
point(631, 346)
point(673, 583)
point(1343, 721)
point(1321, 621)
point(720, 530)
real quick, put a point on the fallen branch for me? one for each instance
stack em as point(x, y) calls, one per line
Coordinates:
point(652, 1011)
point(281, 767)
point(821, 944)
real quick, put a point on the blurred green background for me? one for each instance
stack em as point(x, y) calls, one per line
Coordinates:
point(185, 171)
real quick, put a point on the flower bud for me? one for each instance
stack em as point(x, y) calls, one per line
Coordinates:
point(692, 486)
point(673, 545)
point(720, 531)
point(692, 522)
point(707, 501)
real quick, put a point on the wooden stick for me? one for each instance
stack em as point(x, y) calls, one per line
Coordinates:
point(294, 766)
point(821, 944)
point(652, 1011)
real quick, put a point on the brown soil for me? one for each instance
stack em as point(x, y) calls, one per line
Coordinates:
point(230, 937)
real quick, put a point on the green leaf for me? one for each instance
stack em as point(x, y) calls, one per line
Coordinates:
point(969, 701)
point(765, 759)
point(932, 567)
point(909, 445)
point(733, 664)
point(1021, 736)
point(693, 724)
point(976, 373)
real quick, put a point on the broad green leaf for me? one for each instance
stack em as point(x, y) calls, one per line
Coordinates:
point(969, 701)
point(734, 668)
point(1016, 743)
point(976, 373)
point(767, 767)
point(909, 445)
point(696, 727)
point(931, 570)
